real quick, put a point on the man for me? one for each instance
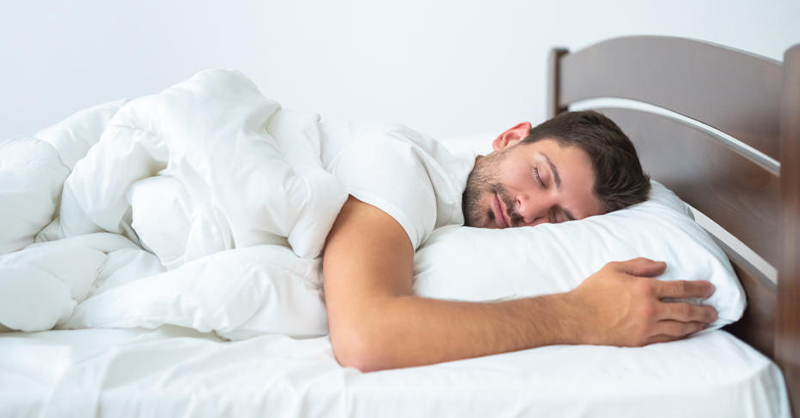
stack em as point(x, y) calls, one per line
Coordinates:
point(574, 166)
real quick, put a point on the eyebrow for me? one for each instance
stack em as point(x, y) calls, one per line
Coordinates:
point(557, 180)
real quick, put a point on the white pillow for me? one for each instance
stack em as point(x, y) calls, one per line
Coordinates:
point(461, 263)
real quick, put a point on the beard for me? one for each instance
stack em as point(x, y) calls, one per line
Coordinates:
point(483, 180)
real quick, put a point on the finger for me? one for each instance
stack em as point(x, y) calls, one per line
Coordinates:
point(643, 267)
point(678, 329)
point(684, 289)
point(687, 312)
point(661, 339)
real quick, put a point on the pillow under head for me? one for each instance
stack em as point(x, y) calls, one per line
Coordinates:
point(471, 264)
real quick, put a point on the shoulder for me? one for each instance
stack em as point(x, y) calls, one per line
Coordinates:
point(409, 175)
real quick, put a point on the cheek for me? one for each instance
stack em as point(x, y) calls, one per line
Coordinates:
point(518, 176)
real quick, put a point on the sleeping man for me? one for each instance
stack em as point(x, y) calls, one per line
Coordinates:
point(148, 203)
point(576, 165)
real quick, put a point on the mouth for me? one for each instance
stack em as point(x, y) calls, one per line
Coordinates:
point(500, 216)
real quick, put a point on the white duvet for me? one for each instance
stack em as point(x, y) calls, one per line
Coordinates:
point(204, 206)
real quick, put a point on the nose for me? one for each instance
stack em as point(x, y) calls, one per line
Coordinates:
point(533, 210)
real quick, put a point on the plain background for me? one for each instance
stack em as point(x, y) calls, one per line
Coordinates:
point(443, 67)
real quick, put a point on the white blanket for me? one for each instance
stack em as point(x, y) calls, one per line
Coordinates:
point(204, 206)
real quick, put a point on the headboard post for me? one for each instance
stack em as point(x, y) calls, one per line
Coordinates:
point(787, 335)
point(553, 82)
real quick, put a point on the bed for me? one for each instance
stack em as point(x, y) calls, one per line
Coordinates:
point(749, 369)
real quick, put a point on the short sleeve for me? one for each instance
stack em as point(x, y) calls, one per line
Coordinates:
point(391, 175)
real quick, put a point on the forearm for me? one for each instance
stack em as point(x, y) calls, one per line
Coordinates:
point(404, 331)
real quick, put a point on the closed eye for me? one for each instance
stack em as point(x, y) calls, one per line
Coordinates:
point(553, 217)
point(538, 178)
point(565, 216)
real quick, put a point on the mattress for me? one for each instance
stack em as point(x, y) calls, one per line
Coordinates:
point(174, 372)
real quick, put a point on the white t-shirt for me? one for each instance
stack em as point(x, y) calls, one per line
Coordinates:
point(408, 175)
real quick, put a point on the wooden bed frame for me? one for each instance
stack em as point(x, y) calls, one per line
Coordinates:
point(740, 168)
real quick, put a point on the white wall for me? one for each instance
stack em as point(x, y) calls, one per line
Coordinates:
point(443, 67)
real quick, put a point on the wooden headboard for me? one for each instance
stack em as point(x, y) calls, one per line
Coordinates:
point(721, 128)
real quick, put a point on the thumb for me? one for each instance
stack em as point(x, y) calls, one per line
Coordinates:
point(643, 267)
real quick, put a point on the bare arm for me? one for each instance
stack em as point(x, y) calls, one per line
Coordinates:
point(377, 323)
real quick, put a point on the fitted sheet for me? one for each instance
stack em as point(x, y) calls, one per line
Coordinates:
point(174, 372)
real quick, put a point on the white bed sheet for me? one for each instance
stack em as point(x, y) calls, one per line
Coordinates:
point(174, 372)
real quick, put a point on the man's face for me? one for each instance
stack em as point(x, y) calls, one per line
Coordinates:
point(529, 184)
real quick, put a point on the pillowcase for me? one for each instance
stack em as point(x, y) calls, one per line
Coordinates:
point(471, 264)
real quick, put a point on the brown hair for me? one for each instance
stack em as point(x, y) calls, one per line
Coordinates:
point(619, 179)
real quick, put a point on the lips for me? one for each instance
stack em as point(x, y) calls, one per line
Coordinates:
point(499, 214)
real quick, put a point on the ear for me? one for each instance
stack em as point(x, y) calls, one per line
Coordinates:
point(511, 136)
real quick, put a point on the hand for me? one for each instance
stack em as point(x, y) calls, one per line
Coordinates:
point(621, 305)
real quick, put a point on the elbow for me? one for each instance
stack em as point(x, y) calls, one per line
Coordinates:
point(362, 360)
point(362, 350)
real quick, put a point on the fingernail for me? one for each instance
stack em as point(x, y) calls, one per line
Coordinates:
point(711, 292)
